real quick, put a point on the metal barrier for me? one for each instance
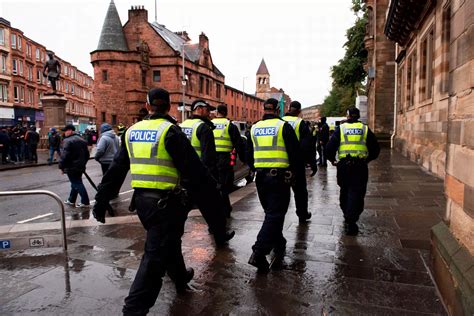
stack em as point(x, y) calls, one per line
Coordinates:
point(55, 196)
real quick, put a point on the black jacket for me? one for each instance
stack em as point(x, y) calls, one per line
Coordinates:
point(291, 143)
point(205, 135)
point(333, 145)
point(323, 133)
point(74, 154)
point(192, 171)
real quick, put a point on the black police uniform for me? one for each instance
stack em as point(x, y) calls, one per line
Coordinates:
point(322, 140)
point(225, 170)
point(352, 177)
point(210, 205)
point(164, 224)
point(274, 194)
point(300, 190)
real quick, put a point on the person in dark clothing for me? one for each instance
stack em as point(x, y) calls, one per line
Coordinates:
point(4, 145)
point(274, 152)
point(356, 146)
point(74, 157)
point(227, 138)
point(160, 200)
point(32, 139)
point(107, 146)
point(199, 130)
point(322, 140)
point(54, 142)
point(303, 133)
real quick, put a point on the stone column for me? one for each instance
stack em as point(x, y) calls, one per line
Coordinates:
point(54, 107)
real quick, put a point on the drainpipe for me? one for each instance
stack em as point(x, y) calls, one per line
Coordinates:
point(394, 133)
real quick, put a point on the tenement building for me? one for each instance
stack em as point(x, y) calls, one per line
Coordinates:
point(311, 113)
point(434, 122)
point(140, 55)
point(22, 84)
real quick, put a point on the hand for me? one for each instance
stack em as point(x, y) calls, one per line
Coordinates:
point(99, 211)
point(314, 169)
point(334, 163)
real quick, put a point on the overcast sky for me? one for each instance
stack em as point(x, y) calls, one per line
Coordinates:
point(299, 39)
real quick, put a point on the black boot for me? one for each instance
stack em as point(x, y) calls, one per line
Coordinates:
point(351, 229)
point(222, 240)
point(260, 262)
point(182, 287)
point(306, 218)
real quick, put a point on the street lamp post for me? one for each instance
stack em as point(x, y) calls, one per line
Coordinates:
point(183, 83)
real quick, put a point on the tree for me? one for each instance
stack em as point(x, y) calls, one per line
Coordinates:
point(349, 74)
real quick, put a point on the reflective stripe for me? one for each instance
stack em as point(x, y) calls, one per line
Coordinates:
point(154, 178)
point(262, 148)
point(271, 160)
point(152, 161)
point(224, 146)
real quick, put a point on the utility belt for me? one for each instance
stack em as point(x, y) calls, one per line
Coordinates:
point(178, 195)
point(353, 161)
point(285, 174)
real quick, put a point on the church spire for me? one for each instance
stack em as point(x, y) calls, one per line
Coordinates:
point(262, 70)
point(112, 36)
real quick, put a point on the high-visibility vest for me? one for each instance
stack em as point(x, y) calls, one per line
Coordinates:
point(189, 128)
point(150, 163)
point(221, 135)
point(353, 140)
point(269, 149)
point(295, 122)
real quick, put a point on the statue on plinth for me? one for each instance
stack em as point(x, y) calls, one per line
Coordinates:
point(54, 70)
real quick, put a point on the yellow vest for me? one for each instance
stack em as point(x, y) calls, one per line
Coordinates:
point(295, 122)
point(269, 149)
point(150, 164)
point(221, 135)
point(353, 140)
point(189, 128)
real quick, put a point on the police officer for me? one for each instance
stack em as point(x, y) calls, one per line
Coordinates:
point(356, 146)
point(303, 133)
point(199, 130)
point(158, 155)
point(227, 137)
point(323, 138)
point(274, 151)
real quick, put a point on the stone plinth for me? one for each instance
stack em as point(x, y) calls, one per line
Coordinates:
point(54, 107)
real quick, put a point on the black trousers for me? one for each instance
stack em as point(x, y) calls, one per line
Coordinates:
point(301, 195)
point(163, 254)
point(274, 195)
point(225, 179)
point(32, 152)
point(321, 148)
point(352, 177)
point(105, 166)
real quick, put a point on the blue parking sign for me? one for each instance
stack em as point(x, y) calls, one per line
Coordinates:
point(5, 244)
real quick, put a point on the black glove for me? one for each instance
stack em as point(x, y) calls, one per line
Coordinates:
point(99, 210)
point(314, 169)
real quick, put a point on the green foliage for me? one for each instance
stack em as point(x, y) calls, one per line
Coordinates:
point(349, 74)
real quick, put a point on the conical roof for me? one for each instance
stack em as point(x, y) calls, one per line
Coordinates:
point(112, 37)
point(262, 70)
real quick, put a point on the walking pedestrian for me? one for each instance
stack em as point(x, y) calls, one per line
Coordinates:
point(274, 151)
point(32, 139)
point(322, 140)
point(107, 145)
point(160, 158)
point(199, 130)
point(356, 146)
point(227, 138)
point(54, 142)
point(303, 134)
point(74, 157)
point(4, 145)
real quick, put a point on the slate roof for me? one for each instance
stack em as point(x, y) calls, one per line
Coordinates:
point(112, 37)
point(262, 70)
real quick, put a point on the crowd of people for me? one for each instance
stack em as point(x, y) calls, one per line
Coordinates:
point(19, 144)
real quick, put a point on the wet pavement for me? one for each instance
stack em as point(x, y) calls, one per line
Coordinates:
point(383, 271)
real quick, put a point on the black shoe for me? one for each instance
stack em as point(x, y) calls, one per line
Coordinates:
point(260, 262)
point(305, 219)
point(223, 240)
point(351, 229)
point(181, 288)
point(280, 251)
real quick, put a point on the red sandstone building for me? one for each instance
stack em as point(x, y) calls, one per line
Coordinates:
point(423, 82)
point(22, 84)
point(140, 55)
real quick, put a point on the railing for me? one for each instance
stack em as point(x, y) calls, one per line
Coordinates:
point(55, 196)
